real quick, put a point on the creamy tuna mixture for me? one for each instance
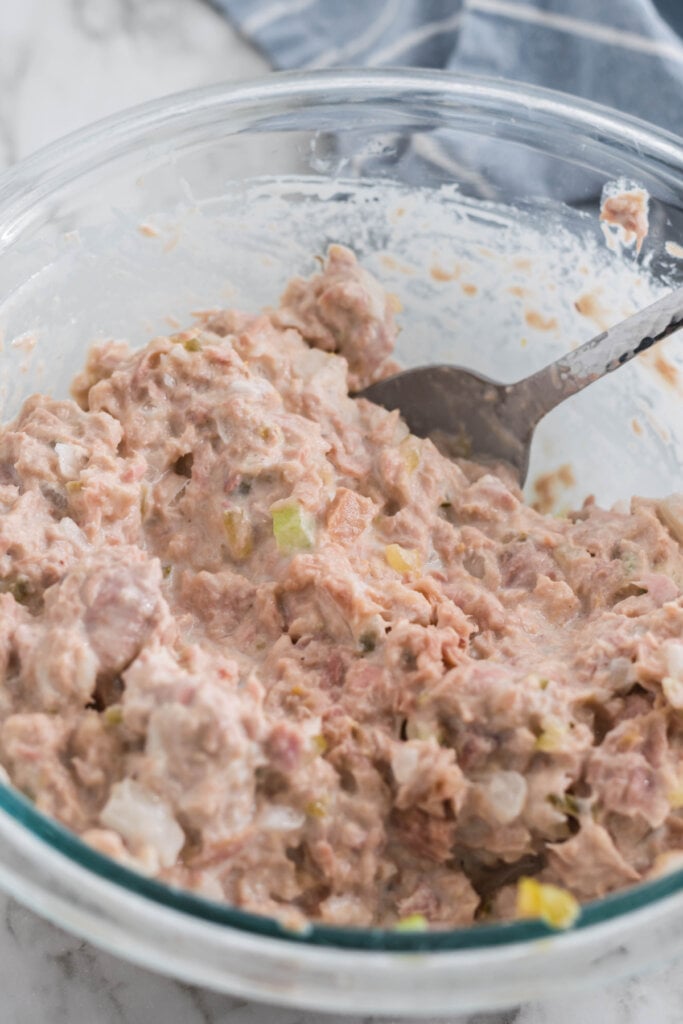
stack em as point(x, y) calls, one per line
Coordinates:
point(260, 642)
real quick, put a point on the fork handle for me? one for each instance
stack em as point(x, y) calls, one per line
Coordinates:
point(535, 396)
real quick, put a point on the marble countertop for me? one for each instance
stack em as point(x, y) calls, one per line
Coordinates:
point(64, 63)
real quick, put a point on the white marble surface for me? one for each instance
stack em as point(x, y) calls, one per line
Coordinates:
point(62, 64)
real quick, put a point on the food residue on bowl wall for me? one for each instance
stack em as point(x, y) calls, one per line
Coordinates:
point(624, 214)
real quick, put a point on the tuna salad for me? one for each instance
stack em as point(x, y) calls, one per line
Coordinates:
point(260, 642)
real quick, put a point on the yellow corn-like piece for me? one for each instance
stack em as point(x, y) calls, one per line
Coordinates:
point(553, 905)
point(412, 923)
point(403, 560)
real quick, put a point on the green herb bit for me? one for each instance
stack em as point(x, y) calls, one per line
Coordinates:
point(367, 642)
point(20, 590)
point(630, 562)
point(567, 804)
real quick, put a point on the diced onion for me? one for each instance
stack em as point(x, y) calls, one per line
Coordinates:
point(674, 660)
point(143, 820)
point(506, 794)
point(70, 458)
point(280, 818)
point(673, 691)
point(404, 762)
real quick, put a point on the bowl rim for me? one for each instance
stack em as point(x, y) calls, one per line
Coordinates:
point(33, 179)
point(35, 176)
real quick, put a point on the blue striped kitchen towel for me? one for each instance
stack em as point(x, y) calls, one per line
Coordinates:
point(624, 53)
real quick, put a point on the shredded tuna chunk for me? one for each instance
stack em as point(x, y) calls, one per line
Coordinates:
point(259, 641)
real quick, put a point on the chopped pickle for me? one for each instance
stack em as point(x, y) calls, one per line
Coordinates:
point(553, 905)
point(113, 715)
point(293, 527)
point(553, 737)
point(166, 571)
point(403, 560)
point(410, 454)
point(412, 923)
point(319, 744)
point(316, 809)
point(270, 434)
point(188, 339)
point(239, 533)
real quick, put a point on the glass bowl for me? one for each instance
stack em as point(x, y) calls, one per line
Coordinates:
point(477, 201)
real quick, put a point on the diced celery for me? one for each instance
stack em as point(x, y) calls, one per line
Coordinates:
point(293, 527)
point(410, 453)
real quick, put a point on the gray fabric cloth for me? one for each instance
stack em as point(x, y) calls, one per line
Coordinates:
point(623, 53)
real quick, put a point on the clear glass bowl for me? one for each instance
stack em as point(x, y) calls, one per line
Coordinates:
point(477, 201)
